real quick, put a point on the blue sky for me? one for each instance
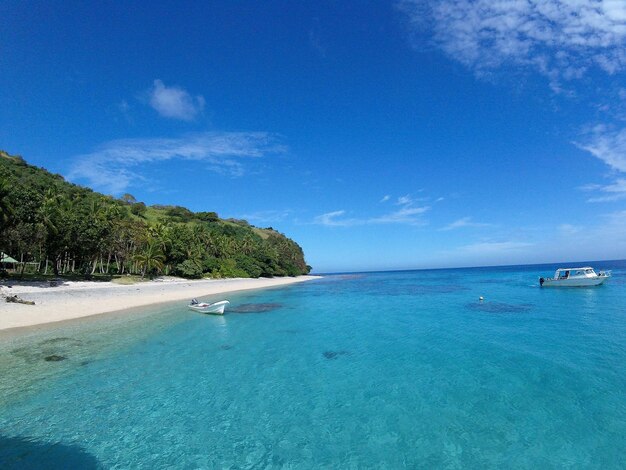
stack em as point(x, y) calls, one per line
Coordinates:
point(379, 135)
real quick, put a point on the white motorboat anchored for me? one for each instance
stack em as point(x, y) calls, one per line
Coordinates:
point(216, 308)
point(575, 277)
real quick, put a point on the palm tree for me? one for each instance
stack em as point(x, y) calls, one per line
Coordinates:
point(226, 246)
point(6, 210)
point(151, 258)
point(161, 234)
point(49, 210)
point(246, 245)
point(50, 217)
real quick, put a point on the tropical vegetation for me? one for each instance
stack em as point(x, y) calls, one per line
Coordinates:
point(56, 227)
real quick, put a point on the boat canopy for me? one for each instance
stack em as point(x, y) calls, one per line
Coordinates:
point(575, 269)
point(563, 273)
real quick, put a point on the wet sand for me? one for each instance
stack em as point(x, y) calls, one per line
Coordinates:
point(76, 299)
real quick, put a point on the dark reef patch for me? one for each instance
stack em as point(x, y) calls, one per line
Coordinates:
point(226, 347)
point(499, 307)
point(26, 452)
point(54, 358)
point(62, 340)
point(255, 308)
point(49, 350)
point(335, 354)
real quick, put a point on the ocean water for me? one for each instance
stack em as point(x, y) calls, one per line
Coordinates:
point(376, 370)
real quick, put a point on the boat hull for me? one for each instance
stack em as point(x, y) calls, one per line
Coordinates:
point(214, 309)
point(579, 282)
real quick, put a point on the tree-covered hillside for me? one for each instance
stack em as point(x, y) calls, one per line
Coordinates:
point(62, 228)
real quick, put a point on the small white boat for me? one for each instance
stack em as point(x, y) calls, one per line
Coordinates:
point(575, 277)
point(216, 308)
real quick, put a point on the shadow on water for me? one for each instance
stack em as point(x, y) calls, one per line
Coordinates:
point(54, 358)
point(28, 453)
point(335, 354)
point(255, 308)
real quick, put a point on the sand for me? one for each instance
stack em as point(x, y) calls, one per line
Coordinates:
point(70, 299)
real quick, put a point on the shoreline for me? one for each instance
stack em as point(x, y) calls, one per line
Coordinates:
point(79, 299)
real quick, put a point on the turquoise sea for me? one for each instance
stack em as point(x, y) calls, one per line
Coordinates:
point(375, 370)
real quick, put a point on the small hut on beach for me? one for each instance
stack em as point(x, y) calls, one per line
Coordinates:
point(6, 262)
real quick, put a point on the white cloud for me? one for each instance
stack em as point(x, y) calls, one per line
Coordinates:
point(403, 200)
point(560, 39)
point(407, 214)
point(607, 145)
point(464, 222)
point(175, 102)
point(333, 219)
point(605, 193)
point(227, 167)
point(112, 167)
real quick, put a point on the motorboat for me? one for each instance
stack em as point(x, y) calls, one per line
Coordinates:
point(216, 308)
point(575, 277)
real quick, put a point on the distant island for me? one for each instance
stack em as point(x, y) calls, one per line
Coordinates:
point(49, 226)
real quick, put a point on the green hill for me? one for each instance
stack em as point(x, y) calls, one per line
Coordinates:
point(63, 228)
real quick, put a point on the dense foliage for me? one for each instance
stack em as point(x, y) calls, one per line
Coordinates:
point(58, 227)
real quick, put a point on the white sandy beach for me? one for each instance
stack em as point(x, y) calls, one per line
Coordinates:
point(70, 299)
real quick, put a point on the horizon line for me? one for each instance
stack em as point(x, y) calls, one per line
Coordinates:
point(313, 272)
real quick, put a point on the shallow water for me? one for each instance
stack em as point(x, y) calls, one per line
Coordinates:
point(382, 370)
